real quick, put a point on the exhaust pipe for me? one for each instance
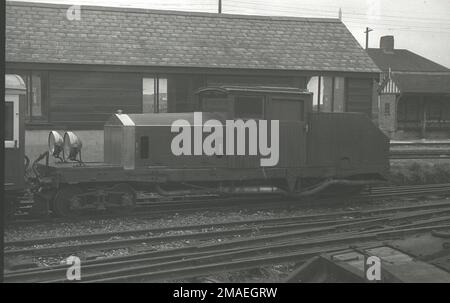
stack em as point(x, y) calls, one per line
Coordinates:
point(250, 190)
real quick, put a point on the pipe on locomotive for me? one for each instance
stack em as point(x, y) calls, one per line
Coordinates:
point(223, 190)
point(251, 190)
point(324, 185)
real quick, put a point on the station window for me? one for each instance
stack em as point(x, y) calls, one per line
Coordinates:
point(328, 93)
point(387, 109)
point(36, 96)
point(248, 107)
point(313, 86)
point(154, 95)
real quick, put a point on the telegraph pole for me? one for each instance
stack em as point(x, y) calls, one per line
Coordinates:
point(220, 6)
point(368, 30)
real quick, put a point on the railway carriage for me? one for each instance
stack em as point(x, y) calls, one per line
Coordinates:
point(316, 151)
point(14, 139)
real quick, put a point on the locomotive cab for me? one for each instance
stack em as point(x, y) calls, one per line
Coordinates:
point(314, 147)
point(287, 105)
point(259, 102)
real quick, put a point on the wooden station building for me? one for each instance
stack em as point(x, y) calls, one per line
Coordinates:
point(80, 70)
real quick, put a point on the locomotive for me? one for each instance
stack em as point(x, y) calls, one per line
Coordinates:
point(316, 152)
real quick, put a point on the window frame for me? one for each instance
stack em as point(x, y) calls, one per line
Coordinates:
point(303, 111)
point(27, 75)
point(387, 109)
point(319, 96)
point(156, 88)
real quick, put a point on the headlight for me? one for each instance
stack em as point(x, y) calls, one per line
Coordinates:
point(55, 144)
point(72, 146)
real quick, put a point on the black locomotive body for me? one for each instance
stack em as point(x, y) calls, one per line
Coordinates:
point(316, 150)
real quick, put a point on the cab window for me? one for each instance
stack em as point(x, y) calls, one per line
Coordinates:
point(250, 107)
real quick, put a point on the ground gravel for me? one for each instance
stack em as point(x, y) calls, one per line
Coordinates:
point(88, 226)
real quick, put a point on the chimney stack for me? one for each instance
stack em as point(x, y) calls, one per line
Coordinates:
point(387, 44)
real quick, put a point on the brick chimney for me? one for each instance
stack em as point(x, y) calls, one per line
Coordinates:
point(387, 44)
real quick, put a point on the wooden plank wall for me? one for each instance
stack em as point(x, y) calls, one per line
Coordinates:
point(299, 82)
point(86, 99)
point(80, 99)
point(359, 95)
point(181, 92)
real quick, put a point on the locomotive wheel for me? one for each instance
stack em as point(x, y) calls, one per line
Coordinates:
point(126, 200)
point(67, 200)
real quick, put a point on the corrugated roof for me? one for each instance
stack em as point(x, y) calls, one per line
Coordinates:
point(403, 60)
point(116, 36)
point(423, 83)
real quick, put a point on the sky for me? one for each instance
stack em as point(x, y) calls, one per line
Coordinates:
point(422, 26)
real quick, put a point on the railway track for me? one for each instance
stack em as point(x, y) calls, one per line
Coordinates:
point(228, 246)
point(417, 154)
point(147, 208)
point(420, 150)
point(420, 143)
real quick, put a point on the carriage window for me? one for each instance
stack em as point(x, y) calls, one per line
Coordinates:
point(215, 103)
point(288, 109)
point(248, 107)
point(9, 121)
point(144, 147)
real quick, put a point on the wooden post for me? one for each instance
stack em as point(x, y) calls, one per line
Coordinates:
point(397, 101)
point(367, 31)
point(318, 93)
